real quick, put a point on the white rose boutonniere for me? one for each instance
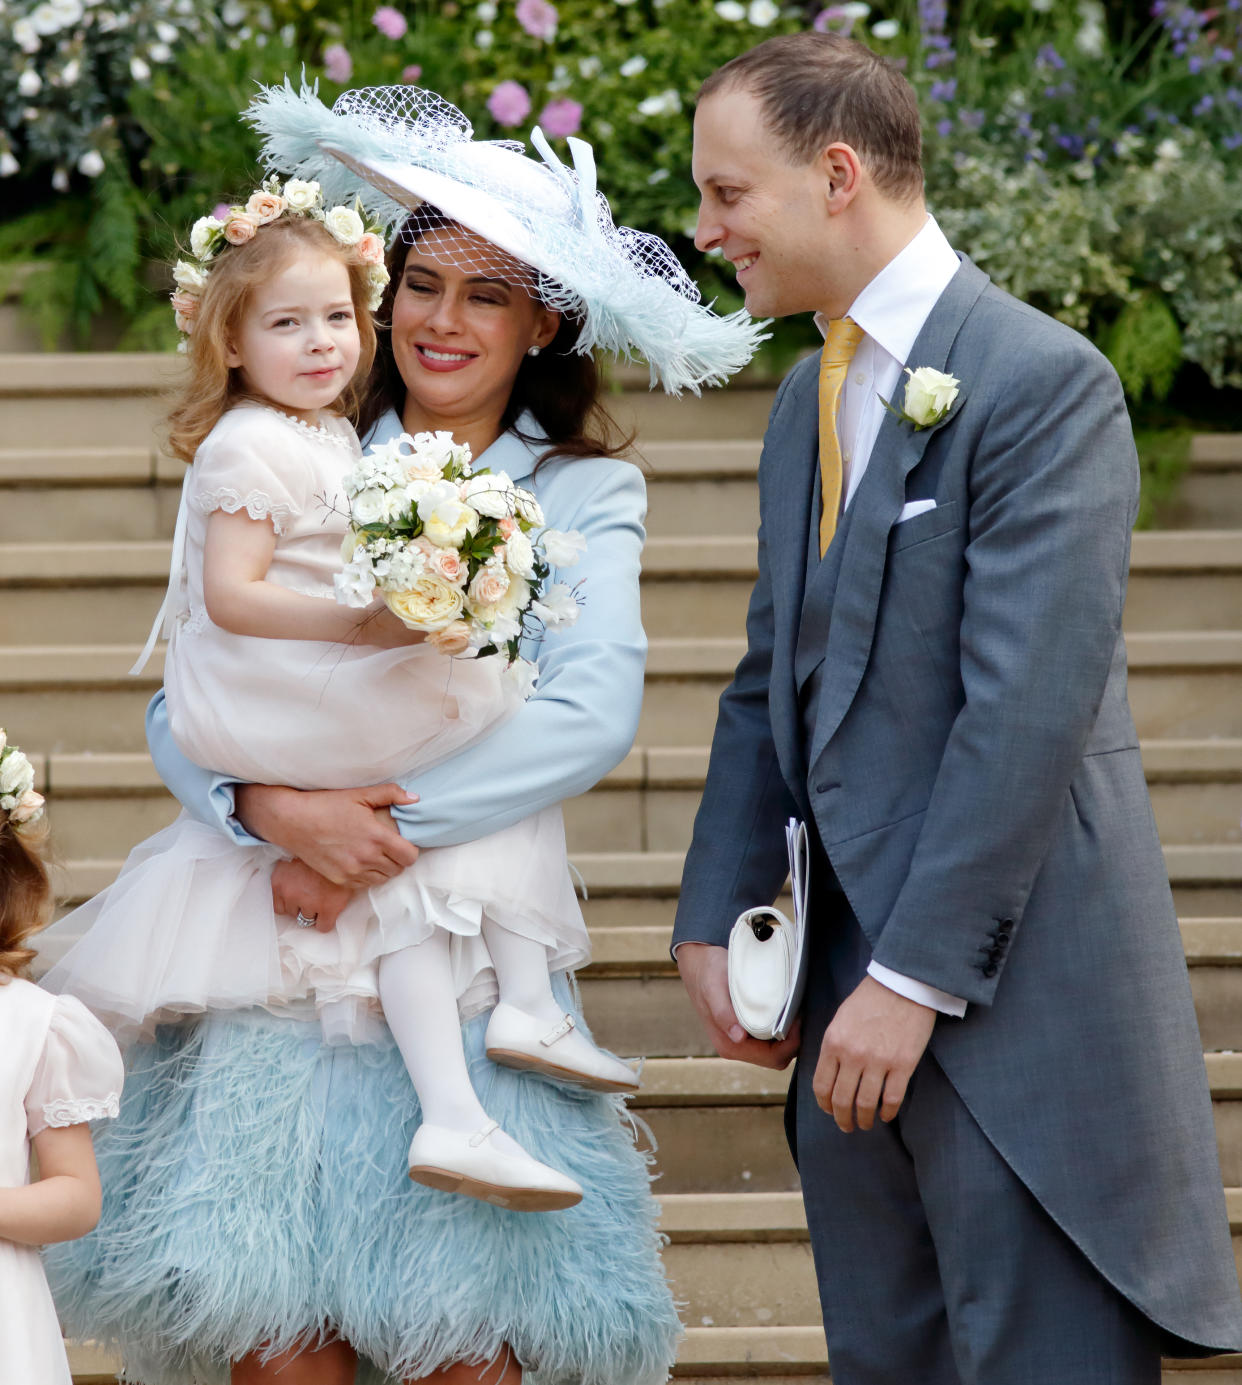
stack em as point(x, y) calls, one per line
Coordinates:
point(929, 397)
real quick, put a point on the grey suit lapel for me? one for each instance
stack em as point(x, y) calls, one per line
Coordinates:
point(877, 503)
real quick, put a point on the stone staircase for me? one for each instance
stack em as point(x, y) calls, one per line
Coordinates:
point(86, 508)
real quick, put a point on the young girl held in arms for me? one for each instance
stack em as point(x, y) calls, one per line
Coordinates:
point(60, 1069)
point(270, 680)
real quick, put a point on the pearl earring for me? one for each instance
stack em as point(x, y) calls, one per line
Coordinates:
point(534, 351)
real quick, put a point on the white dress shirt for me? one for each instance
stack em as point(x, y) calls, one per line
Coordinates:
point(891, 311)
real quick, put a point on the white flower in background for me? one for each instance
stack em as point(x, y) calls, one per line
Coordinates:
point(486, 12)
point(560, 79)
point(106, 21)
point(8, 164)
point(1091, 38)
point(70, 11)
point(345, 224)
point(855, 11)
point(761, 13)
point(520, 555)
point(139, 70)
point(885, 29)
point(730, 10)
point(484, 39)
point(562, 548)
point(70, 73)
point(160, 53)
point(300, 195)
point(29, 83)
point(527, 506)
point(666, 102)
point(91, 164)
point(556, 607)
point(233, 12)
point(631, 67)
point(355, 583)
point(26, 36)
point(1168, 151)
point(60, 180)
point(166, 32)
point(16, 774)
point(45, 20)
point(589, 67)
point(1042, 6)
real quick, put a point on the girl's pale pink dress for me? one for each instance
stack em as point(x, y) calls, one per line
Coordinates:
point(58, 1066)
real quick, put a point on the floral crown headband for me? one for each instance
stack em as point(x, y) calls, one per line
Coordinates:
point(19, 803)
point(211, 235)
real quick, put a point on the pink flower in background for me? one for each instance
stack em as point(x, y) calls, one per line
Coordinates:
point(834, 14)
point(391, 23)
point(561, 117)
point(509, 103)
point(221, 211)
point(537, 17)
point(337, 64)
point(412, 73)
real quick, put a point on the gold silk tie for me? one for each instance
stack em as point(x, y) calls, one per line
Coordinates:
point(840, 342)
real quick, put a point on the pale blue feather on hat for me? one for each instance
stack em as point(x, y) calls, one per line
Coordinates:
point(398, 148)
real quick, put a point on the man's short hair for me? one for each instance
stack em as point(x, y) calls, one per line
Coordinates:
point(818, 89)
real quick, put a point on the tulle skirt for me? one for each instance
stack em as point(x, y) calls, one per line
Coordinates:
point(188, 926)
point(255, 1192)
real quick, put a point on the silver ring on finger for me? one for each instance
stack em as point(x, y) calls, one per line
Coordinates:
point(304, 922)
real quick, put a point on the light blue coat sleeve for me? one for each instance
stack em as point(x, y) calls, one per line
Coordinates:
point(579, 723)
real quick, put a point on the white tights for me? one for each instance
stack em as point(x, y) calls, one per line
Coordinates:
point(416, 991)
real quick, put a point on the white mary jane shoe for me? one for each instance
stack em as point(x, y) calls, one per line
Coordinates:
point(518, 1040)
point(456, 1161)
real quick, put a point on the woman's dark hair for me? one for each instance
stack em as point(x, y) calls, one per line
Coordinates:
point(561, 388)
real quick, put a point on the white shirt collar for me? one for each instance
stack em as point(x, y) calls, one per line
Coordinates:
point(898, 301)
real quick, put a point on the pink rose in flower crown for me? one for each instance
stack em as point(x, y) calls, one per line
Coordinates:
point(185, 306)
point(370, 249)
point(239, 228)
point(452, 640)
point(489, 586)
point(561, 118)
point(265, 207)
point(509, 103)
point(538, 18)
point(391, 23)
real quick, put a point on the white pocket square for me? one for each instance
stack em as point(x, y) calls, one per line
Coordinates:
point(915, 507)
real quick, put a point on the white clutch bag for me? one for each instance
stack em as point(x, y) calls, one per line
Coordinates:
point(768, 956)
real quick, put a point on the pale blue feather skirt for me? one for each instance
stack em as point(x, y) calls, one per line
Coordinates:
point(255, 1192)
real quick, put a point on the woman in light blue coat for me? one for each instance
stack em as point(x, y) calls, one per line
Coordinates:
point(258, 1225)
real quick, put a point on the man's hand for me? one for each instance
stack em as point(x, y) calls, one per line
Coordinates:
point(296, 889)
point(347, 835)
point(870, 1051)
point(705, 974)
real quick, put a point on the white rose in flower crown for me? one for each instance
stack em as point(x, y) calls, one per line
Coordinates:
point(377, 282)
point(527, 506)
point(16, 774)
point(520, 555)
point(929, 395)
point(301, 196)
point(203, 236)
point(4, 740)
point(562, 548)
point(189, 277)
point(430, 604)
point(369, 506)
point(346, 225)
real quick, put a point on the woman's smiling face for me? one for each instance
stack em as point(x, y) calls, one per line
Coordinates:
point(463, 319)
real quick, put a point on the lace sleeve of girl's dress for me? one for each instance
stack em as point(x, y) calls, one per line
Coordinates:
point(80, 1074)
point(255, 460)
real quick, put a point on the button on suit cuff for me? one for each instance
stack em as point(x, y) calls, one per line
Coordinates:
point(918, 991)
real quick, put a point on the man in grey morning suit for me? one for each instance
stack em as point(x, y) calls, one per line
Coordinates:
point(996, 965)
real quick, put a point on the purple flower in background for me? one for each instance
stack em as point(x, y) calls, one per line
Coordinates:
point(1050, 58)
point(1204, 105)
point(943, 91)
point(221, 210)
point(411, 74)
point(561, 118)
point(1232, 141)
point(509, 103)
point(1194, 64)
point(944, 128)
point(391, 23)
point(825, 19)
point(337, 64)
point(972, 120)
point(538, 18)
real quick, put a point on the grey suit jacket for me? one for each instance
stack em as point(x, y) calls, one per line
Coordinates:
point(973, 770)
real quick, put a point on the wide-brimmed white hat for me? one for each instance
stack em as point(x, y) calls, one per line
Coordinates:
point(398, 149)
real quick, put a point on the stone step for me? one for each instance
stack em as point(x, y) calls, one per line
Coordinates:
point(1209, 494)
point(96, 591)
point(1185, 685)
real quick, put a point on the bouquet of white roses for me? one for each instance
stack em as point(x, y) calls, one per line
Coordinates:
point(462, 554)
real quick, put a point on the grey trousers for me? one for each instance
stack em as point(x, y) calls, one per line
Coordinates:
point(936, 1266)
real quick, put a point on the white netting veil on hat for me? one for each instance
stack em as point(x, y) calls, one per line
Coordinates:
point(412, 160)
